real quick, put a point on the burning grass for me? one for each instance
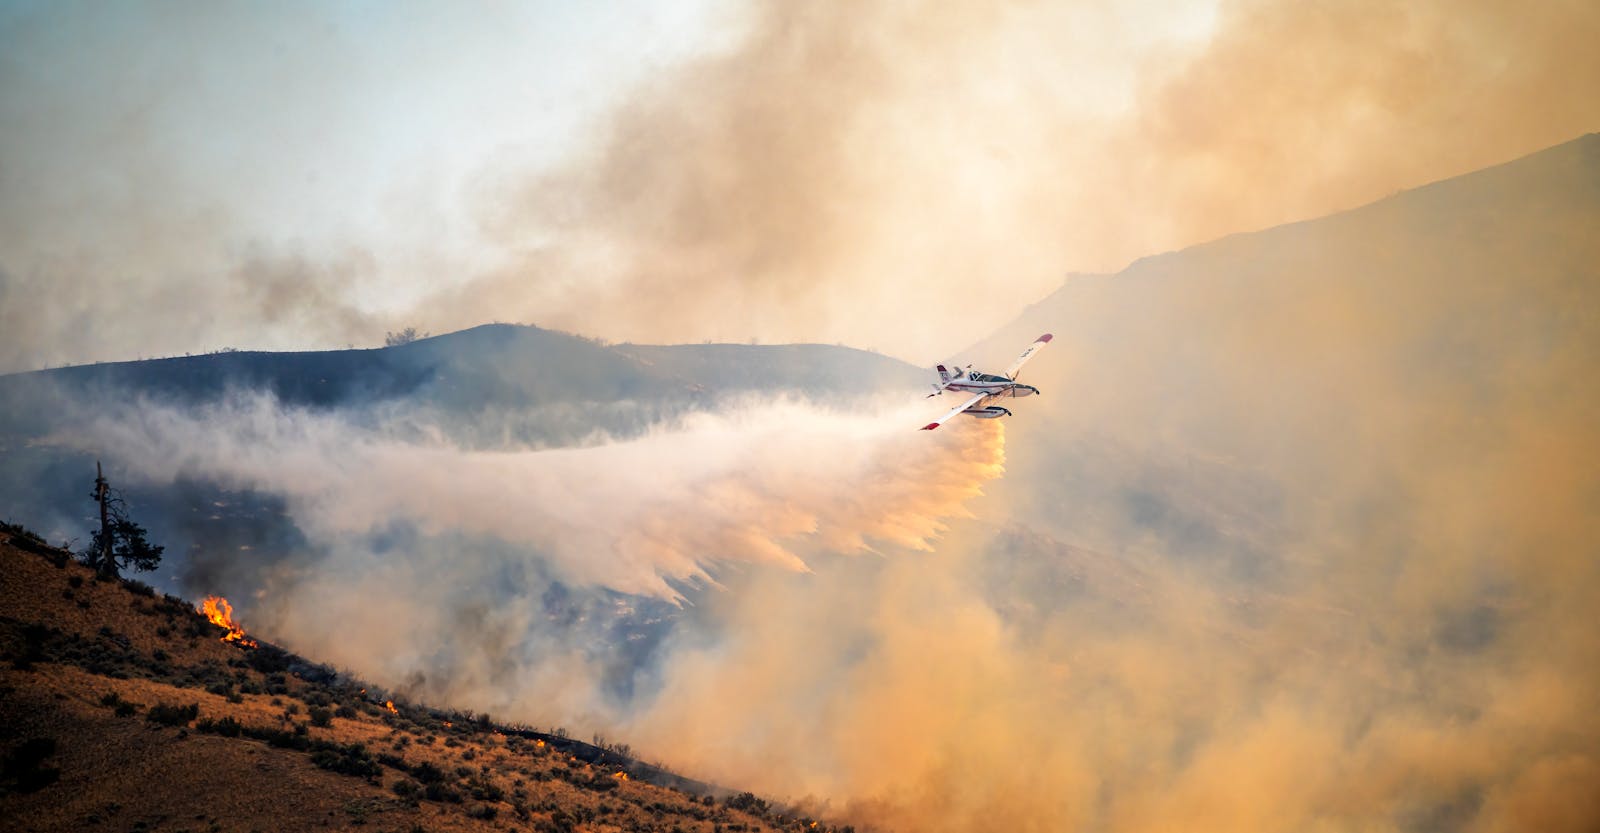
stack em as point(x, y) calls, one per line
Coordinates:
point(220, 613)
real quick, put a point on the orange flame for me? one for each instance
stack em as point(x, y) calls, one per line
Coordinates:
point(389, 704)
point(621, 776)
point(220, 613)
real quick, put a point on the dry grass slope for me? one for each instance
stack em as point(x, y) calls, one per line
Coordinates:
point(121, 709)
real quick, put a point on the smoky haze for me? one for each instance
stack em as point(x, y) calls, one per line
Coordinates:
point(796, 174)
point(961, 158)
point(1299, 534)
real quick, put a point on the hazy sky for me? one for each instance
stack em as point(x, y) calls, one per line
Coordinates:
point(902, 176)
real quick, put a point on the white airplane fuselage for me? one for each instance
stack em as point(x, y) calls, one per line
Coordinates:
point(994, 386)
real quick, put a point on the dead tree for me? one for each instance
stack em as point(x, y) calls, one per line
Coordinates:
point(119, 542)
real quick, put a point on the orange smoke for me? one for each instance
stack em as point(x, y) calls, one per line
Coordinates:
point(220, 613)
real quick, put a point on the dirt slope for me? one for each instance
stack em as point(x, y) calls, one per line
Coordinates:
point(121, 709)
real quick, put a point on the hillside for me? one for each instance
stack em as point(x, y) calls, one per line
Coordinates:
point(1202, 392)
point(490, 366)
point(126, 710)
point(492, 387)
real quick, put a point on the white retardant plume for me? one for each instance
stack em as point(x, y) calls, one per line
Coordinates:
point(750, 485)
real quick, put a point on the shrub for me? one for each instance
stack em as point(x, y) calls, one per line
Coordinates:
point(406, 788)
point(125, 709)
point(345, 712)
point(486, 812)
point(350, 759)
point(441, 793)
point(599, 783)
point(485, 790)
point(172, 715)
point(279, 738)
point(427, 773)
point(320, 717)
point(25, 768)
point(560, 822)
point(226, 727)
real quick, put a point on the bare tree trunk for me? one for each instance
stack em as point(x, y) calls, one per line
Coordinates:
point(107, 565)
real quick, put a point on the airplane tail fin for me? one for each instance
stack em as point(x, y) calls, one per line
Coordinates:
point(944, 375)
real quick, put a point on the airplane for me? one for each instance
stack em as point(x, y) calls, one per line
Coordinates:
point(985, 387)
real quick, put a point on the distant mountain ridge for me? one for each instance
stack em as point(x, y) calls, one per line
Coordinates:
point(505, 364)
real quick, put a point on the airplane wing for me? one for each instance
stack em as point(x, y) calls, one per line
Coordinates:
point(1037, 345)
point(976, 398)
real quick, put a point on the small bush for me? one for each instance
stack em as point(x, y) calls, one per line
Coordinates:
point(599, 783)
point(279, 738)
point(172, 715)
point(486, 812)
point(320, 717)
point(350, 759)
point(427, 773)
point(485, 790)
point(24, 767)
point(406, 788)
point(345, 712)
point(441, 793)
point(226, 727)
point(126, 709)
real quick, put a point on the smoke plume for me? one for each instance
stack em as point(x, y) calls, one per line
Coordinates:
point(633, 516)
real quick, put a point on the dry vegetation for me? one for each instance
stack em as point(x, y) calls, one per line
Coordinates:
point(121, 709)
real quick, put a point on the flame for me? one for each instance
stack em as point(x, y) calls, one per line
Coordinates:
point(539, 743)
point(220, 613)
point(621, 776)
point(389, 704)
